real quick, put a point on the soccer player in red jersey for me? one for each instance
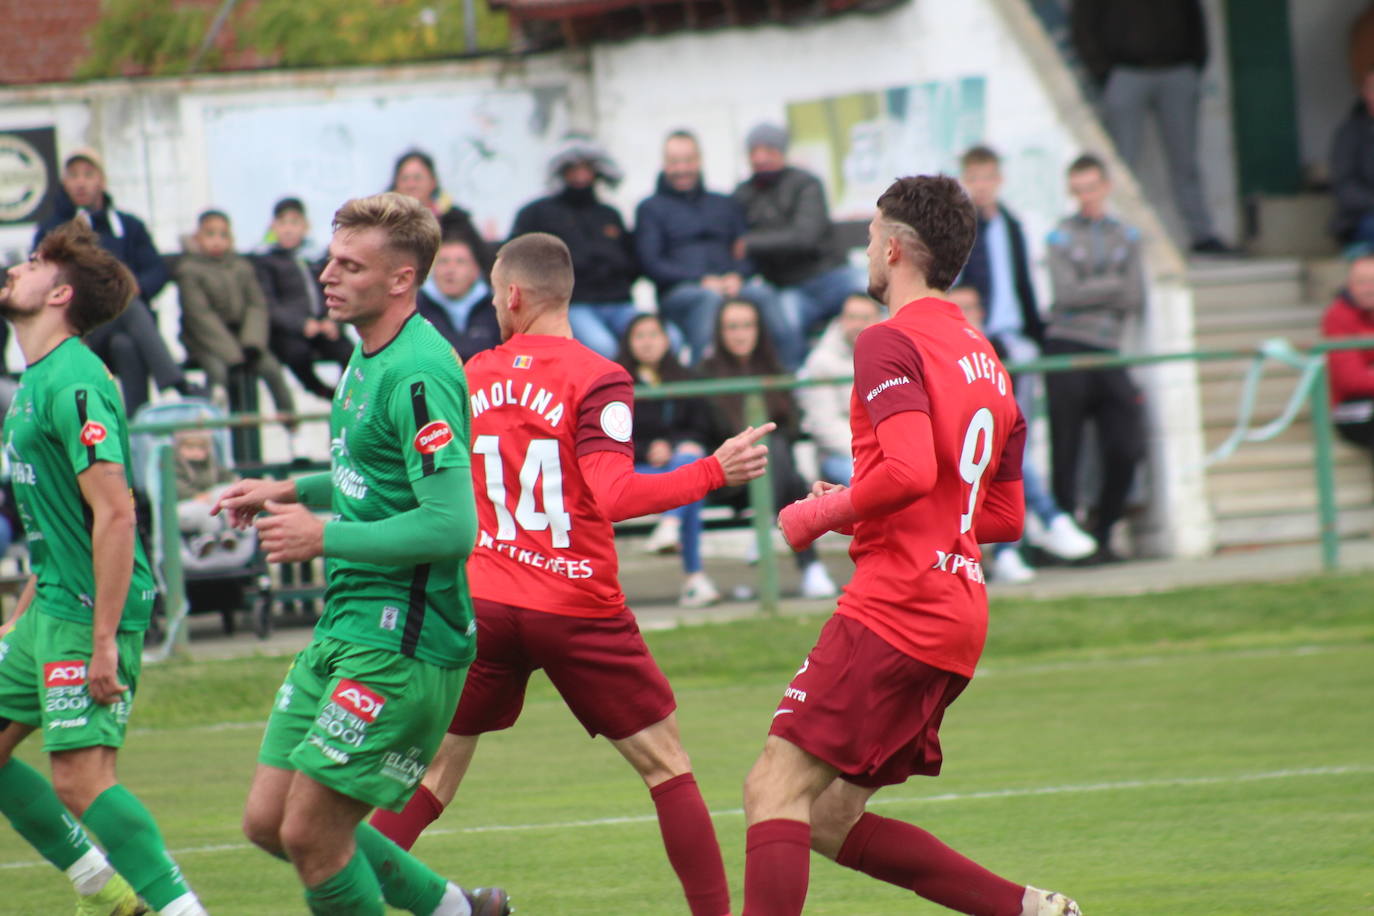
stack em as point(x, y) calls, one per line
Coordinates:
point(553, 467)
point(937, 470)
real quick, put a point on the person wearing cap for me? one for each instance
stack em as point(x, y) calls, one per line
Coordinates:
point(130, 344)
point(792, 240)
point(603, 253)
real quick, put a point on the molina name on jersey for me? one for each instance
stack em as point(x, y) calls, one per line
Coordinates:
point(539, 403)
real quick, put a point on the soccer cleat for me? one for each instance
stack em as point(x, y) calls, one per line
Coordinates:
point(698, 591)
point(1009, 568)
point(116, 898)
point(1064, 539)
point(492, 901)
point(1046, 903)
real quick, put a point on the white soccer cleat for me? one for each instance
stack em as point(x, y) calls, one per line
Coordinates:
point(1008, 567)
point(666, 536)
point(1036, 902)
point(816, 582)
point(1064, 539)
point(698, 591)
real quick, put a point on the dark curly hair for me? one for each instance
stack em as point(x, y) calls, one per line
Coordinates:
point(935, 222)
point(102, 287)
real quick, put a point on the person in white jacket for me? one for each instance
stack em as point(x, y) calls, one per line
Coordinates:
point(825, 408)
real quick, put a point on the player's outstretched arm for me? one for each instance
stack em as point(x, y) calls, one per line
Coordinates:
point(22, 605)
point(622, 493)
point(244, 499)
point(105, 490)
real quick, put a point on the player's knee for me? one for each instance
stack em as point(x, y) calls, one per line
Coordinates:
point(297, 837)
point(263, 832)
point(831, 821)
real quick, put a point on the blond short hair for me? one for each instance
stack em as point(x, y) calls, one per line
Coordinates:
point(411, 229)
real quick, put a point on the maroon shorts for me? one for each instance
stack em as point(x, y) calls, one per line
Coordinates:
point(865, 708)
point(600, 665)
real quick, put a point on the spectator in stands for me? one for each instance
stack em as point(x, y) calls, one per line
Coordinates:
point(224, 321)
point(1352, 170)
point(131, 344)
point(1047, 526)
point(1148, 55)
point(999, 267)
point(1098, 279)
point(686, 237)
point(300, 333)
point(458, 302)
point(792, 240)
point(1352, 371)
point(742, 350)
point(668, 434)
point(603, 251)
point(415, 176)
point(825, 408)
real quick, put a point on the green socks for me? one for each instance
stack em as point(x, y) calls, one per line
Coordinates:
point(407, 883)
point(28, 800)
point(134, 846)
point(352, 892)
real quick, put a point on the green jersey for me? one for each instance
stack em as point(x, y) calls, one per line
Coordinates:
point(66, 416)
point(399, 414)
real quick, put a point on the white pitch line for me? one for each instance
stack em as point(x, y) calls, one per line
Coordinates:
point(1123, 785)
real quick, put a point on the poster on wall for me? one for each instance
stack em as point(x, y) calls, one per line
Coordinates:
point(861, 141)
point(28, 174)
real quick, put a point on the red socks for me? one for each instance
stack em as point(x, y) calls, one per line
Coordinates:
point(777, 868)
point(909, 857)
point(690, 840)
point(404, 828)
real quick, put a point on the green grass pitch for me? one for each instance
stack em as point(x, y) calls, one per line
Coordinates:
point(1208, 752)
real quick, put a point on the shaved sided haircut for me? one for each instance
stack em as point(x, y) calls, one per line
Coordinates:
point(411, 230)
point(541, 265)
point(102, 287)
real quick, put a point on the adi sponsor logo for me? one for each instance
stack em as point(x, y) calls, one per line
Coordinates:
point(92, 434)
point(64, 674)
point(358, 700)
point(433, 436)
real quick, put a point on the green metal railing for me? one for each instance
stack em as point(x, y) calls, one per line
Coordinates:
point(1312, 387)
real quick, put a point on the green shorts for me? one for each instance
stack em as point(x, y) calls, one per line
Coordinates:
point(365, 722)
point(43, 682)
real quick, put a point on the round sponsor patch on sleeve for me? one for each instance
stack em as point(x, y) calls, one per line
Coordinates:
point(433, 436)
point(93, 433)
point(617, 421)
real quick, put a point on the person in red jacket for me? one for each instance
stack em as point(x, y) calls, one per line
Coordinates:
point(1352, 371)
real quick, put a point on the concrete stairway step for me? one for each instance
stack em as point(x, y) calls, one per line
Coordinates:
point(1289, 527)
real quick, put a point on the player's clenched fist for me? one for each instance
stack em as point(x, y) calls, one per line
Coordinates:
point(743, 457)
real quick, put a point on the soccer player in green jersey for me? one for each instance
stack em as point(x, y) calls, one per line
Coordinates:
point(70, 658)
point(364, 706)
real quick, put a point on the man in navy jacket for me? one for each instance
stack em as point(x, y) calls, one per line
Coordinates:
point(685, 236)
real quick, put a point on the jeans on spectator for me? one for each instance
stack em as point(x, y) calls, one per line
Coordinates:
point(821, 298)
point(837, 468)
point(1363, 236)
point(690, 515)
point(300, 353)
point(598, 325)
point(134, 350)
